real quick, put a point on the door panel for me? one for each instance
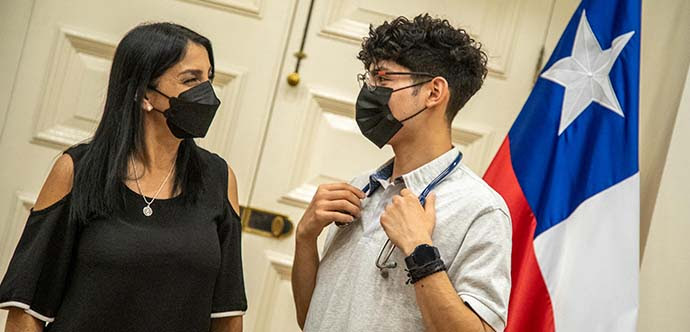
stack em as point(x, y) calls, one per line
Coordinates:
point(61, 84)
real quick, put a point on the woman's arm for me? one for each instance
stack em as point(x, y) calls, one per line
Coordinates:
point(233, 196)
point(57, 185)
point(19, 321)
point(227, 324)
point(234, 323)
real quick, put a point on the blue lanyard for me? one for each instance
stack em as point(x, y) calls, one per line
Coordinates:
point(435, 182)
point(385, 265)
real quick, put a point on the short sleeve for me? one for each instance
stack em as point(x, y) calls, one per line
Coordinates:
point(39, 271)
point(229, 298)
point(480, 272)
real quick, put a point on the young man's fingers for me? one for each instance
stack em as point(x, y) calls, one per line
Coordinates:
point(343, 206)
point(331, 216)
point(344, 186)
point(406, 192)
point(343, 194)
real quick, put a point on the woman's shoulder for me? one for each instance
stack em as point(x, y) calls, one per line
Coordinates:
point(220, 170)
point(58, 184)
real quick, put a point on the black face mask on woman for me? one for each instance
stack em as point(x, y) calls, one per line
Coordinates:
point(374, 117)
point(191, 113)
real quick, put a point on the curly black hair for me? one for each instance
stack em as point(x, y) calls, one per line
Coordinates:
point(432, 45)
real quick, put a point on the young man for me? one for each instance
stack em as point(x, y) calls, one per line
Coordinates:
point(450, 269)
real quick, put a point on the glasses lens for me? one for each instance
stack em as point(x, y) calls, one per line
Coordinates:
point(369, 81)
point(365, 80)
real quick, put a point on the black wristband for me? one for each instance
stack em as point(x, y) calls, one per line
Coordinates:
point(421, 272)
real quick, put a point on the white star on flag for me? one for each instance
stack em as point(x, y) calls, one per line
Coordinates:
point(585, 74)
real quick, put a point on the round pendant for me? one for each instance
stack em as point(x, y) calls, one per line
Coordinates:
point(148, 211)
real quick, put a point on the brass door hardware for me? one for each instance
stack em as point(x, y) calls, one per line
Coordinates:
point(294, 78)
point(265, 223)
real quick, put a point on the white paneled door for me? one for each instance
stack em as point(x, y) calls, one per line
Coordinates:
point(60, 86)
point(282, 141)
point(313, 137)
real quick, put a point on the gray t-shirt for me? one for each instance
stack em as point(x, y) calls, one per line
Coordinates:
point(472, 233)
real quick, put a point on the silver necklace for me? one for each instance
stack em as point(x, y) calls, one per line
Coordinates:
point(147, 210)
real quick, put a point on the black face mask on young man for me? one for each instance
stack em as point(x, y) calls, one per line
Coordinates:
point(374, 117)
point(191, 113)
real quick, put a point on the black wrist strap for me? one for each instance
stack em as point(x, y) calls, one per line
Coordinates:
point(418, 273)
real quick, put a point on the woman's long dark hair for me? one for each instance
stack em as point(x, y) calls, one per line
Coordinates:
point(142, 56)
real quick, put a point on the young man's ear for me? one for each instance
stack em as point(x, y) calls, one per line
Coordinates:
point(438, 92)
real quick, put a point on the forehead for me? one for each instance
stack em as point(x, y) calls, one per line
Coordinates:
point(196, 57)
point(387, 65)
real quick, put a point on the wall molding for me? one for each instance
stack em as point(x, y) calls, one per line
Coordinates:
point(11, 230)
point(249, 8)
point(502, 17)
point(64, 118)
point(278, 270)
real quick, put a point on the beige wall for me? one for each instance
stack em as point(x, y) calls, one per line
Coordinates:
point(665, 59)
point(14, 20)
point(664, 286)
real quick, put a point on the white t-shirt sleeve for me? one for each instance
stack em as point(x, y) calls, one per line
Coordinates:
point(480, 272)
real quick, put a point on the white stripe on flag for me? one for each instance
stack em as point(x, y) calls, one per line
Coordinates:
point(590, 262)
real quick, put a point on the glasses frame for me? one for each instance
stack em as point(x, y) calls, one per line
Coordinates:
point(362, 78)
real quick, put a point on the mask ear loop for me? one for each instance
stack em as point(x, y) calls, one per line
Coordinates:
point(164, 95)
point(418, 112)
point(413, 85)
point(413, 115)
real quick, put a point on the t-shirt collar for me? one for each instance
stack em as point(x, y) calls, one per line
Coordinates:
point(416, 180)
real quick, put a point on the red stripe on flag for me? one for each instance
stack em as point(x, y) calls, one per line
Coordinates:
point(530, 305)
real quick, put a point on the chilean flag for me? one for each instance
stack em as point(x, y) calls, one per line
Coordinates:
point(569, 171)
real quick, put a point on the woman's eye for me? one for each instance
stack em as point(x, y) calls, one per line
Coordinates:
point(190, 80)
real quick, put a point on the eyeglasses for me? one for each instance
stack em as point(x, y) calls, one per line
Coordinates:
point(371, 79)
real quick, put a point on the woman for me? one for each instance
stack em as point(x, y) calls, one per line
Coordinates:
point(138, 230)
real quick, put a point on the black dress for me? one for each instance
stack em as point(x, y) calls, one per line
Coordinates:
point(172, 271)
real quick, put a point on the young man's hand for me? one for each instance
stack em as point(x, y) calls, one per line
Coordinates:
point(339, 202)
point(407, 223)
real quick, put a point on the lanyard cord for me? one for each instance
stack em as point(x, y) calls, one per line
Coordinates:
point(435, 182)
point(438, 179)
point(385, 265)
